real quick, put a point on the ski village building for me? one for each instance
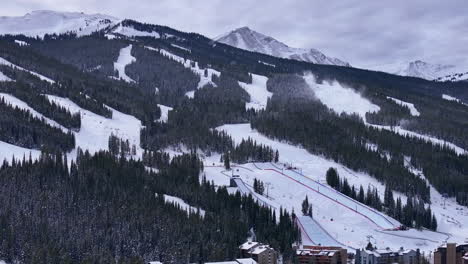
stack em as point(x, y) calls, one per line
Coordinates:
point(387, 256)
point(321, 255)
point(450, 253)
point(262, 254)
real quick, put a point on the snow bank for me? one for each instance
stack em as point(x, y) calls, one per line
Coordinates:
point(15, 102)
point(258, 92)
point(42, 77)
point(183, 205)
point(125, 58)
point(96, 130)
point(413, 110)
point(339, 98)
point(164, 112)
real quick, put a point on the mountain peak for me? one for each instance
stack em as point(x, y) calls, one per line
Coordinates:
point(248, 39)
point(41, 22)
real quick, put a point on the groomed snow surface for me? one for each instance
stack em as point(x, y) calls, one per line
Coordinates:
point(413, 110)
point(288, 188)
point(339, 98)
point(183, 205)
point(258, 92)
point(164, 112)
point(96, 130)
point(125, 58)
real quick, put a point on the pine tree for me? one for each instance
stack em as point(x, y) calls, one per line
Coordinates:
point(276, 156)
point(227, 161)
point(305, 206)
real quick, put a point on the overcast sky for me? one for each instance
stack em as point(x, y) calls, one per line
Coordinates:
point(362, 32)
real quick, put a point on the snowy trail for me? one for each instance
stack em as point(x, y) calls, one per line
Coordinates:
point(15, 102)
point(258, 92)
point(403, 132)
point(183, 205)
point(411, 107)
point(245, 190)
point(42, 77)
point(164, 113)
point(125, 58)
point(8, 151)
point(373, 216)
point(317, 234)
point(194, 67)
point(4, 78)
point(96, 130)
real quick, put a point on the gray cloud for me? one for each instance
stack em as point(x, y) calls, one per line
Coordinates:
point(363, 32)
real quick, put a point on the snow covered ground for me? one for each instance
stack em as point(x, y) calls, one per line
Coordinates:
point(15, 102)
point(131, 32)
point(183, 205)
point(339, 98)
point(289, 188)
point(9, 151)
point(39, 23)
point(164, 112)
point(451, 98)
point(125, 58)
point(4, 78)
point(21, 43)
point(96, 130)
point(413, 110)
point(42, 77)
point(316, 234)
point(258, 92)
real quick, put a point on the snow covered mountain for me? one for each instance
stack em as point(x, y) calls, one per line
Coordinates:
point(425, 70)
point(39, 23)
point(248, 39)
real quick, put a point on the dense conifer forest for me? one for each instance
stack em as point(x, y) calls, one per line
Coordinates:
point(109, 208)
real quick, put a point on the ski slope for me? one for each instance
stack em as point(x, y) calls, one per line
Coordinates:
point(96, 130)
point(125, 58)
point(15, 102)
point(315, 234)
point(164, 113)
point(289, 190)
point(258, 92)
point(403, 132)
point(244, 190)
point(340, 99)
point(9, 151)
point(183, 205)
point(4, 78)
point(194, 67)
point(411, 107)
point(42, 77)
